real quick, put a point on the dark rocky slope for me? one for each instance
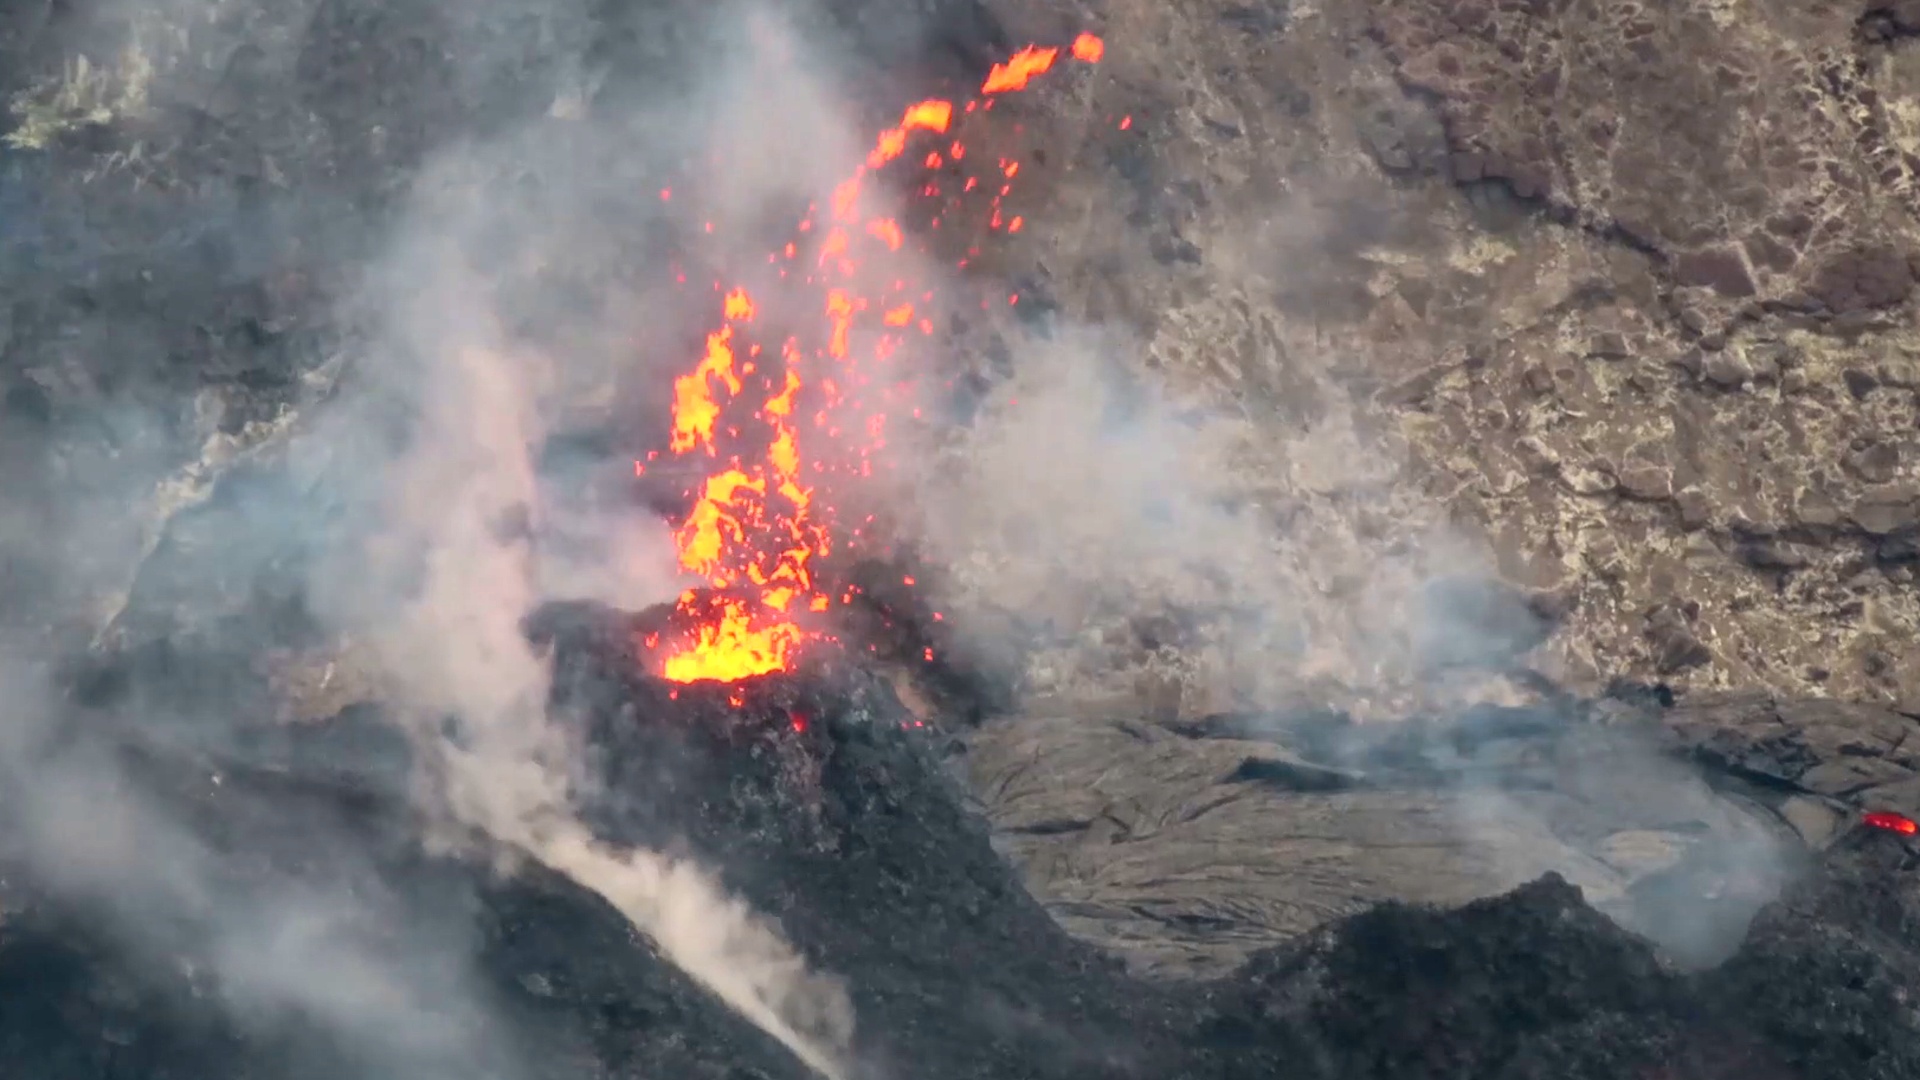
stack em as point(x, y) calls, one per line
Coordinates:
point(1559, 360)
point(821, 803)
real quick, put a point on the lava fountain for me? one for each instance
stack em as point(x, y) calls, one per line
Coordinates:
point(774, 411)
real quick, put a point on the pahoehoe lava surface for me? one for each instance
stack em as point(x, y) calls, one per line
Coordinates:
point(821, 801)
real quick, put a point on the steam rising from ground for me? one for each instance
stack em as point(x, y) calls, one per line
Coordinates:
point(454, 571)
point(280, 951)
point(322, 953)
point(1274, 565)
point(1156, 549)
point(467, 538)
point(506, 301)
point(1085, 499)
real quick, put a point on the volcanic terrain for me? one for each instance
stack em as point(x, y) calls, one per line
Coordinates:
point(968, 539)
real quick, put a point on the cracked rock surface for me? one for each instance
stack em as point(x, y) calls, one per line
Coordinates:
point(1557, 342)
point(1184, 848)
point(1615, 299)
point(1624, 291)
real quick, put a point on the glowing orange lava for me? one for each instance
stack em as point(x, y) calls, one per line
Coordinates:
point(781, 410)
point(1892, 822)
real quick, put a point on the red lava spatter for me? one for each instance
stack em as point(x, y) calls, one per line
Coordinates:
point(1891, 822)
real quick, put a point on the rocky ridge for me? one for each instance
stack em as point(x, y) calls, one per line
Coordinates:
point(952, 967)
point(1624, 295)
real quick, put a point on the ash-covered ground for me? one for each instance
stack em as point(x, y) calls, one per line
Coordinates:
point(1356, 656)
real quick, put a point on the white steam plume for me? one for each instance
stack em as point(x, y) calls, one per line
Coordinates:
point(1087, 498)
point(87, 494)
point(453, 563)
point(326, 952)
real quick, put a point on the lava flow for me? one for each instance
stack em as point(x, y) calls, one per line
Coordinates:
point(779, 410)
point(1891, 822)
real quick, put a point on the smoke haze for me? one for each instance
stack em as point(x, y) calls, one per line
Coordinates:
point(509, 304)
point(504, 303)
point(455, 556)
point(1090, 498)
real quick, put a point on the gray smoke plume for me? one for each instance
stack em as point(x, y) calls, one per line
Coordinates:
point(1090, 498)
point(448, 574)
point(402, 1005)
point(463, 534)
point(508, 301)
point(96, 477)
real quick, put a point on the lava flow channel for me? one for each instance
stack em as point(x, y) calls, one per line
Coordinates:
point(776, 415)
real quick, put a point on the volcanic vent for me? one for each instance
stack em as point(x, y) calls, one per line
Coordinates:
point(811, 794)
point(817, 362)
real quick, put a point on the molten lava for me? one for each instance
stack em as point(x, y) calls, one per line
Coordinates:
point(780, 410)
point(1891, 822)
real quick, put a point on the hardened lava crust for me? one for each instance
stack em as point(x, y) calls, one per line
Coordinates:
point(1620, 295)
point(818, 799)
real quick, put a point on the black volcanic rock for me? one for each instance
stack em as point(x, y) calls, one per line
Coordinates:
point(820, 801)
point(1536, 984)
point(181, 262)
point(1534, 975)
point(421, 965)
point(1827, 974)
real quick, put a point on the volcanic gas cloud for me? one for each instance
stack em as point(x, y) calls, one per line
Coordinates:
point(777, 410)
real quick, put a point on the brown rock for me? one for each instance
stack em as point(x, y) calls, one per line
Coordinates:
point(1729, 222)
point(1885, 20)
point(1794, 226)
point(1875, 462)
point(1862, 279)
point(1676, 648)
point(1883, 517)
point(1841, 728)
point(1769, 359)
point(1902, 796)
point(1608, 346)
point(1588, 480)
point(1538, 457)
point(1900, 546)
point(1829, 747)
point(1769, 555)
point(1647, 481)
point(1720, 269)
point(1816, 508)
point(1696, 508)
point(1726, 369)
point(1812, 819)
point(1765, 251)
point(1843, 776)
